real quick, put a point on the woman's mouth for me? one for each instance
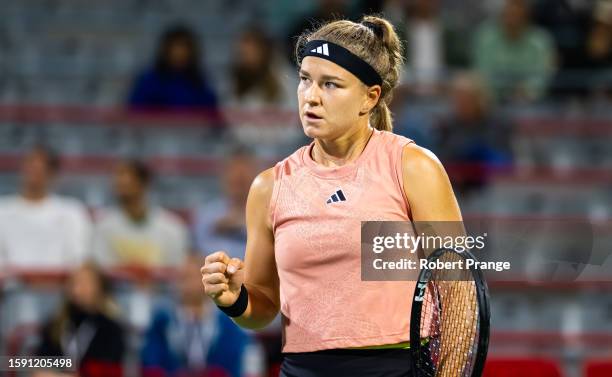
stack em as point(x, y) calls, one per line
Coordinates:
point(312, 116)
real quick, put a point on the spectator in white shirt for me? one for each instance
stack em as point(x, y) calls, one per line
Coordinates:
point(137, 234)
point(40, 230)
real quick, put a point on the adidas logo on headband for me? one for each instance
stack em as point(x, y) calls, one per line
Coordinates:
point(344, 58)
point(323, 50)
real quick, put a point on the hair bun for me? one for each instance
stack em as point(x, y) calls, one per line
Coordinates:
point(376, 28)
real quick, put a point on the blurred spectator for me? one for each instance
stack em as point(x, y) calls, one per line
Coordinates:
point(176, 81)
point(257, 78)
point(473, 137)
point(220, 225)
point(416, 120)
point(193, 338)
point(261, 83)
point(516, 57)
point(40, 230)
point(86, 328)
point(431, 45)
point(600, 39)
point(600, 50)
point(136, 233)
point(568, 23)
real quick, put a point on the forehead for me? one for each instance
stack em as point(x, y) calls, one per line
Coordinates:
point(317, 67)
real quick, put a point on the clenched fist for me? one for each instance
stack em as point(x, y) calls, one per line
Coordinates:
point(222, 277)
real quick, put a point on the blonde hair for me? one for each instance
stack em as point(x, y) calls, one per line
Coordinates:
point(375, 41)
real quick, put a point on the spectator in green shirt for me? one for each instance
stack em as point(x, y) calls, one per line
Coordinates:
point(516, 57)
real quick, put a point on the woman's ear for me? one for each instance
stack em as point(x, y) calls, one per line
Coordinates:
point(372, 97)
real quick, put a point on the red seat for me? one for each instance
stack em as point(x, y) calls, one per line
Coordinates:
point(101, 369)
point(523, 367)
point(274, 370)
point(598, 368)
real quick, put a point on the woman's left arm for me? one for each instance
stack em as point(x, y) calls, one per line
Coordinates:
point(435, 210)
point(427, 187)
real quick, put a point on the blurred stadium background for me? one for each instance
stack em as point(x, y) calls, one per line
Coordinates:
point(514, 96)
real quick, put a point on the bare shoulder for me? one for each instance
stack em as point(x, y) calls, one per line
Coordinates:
point(260, 196)
point(427, 187)
point(420, 162)
point(263, 184)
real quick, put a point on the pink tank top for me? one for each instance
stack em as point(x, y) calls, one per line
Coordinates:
point(316, 213)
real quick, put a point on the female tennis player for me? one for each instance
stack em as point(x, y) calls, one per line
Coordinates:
point(304, 215)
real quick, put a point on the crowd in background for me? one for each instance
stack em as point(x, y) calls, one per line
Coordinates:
point(522, 52)
point(44, 232)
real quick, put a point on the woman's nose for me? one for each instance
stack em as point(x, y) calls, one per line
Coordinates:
point(313, 94)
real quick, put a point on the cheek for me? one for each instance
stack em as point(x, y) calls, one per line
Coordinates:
point(300, 99)
point(300, 94)
point(344, 108)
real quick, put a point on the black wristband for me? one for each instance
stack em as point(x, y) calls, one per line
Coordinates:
point(238, 307)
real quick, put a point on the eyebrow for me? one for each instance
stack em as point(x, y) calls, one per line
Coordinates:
point(324, 77)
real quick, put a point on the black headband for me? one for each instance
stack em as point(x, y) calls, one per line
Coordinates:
point(344, 58)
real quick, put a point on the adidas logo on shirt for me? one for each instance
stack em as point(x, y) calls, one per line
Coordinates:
point(323, 50)
point(338, 196)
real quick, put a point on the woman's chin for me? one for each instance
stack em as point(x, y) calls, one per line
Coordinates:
point(314, 130)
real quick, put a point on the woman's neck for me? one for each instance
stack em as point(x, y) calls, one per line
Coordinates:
point(343, 150)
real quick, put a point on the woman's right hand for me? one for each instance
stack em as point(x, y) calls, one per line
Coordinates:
point(222, 278)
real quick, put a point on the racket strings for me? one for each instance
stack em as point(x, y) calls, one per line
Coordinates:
point(450, 322)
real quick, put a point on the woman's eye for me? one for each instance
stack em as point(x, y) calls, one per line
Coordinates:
point(330, 85)
point(303, 78)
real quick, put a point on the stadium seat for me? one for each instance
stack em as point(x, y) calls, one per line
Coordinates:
point(101, 369)
point(274, 370)
point(598, 368)
point(523, 367)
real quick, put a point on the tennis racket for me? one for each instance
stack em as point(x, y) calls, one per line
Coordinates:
point(450, 316)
